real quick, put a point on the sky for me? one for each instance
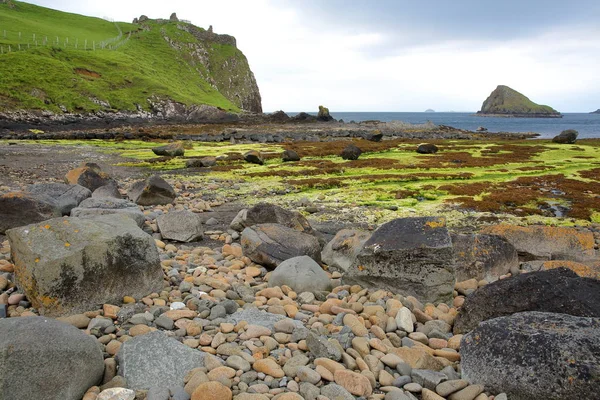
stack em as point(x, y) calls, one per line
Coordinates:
point(397, 55)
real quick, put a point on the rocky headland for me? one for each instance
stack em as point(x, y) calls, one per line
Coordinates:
point(596, 112)
point(507, 102)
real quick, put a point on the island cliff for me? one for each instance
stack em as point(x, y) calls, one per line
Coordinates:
point(507, 102)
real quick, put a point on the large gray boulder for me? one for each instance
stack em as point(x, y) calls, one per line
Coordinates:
point(110, 191)
point(88, 175)
point(66, 197)
point(412, 256)
point(21, 208)
point(270, 244)
point(73, 265)
point(182, 226)
point(342, 250)
point(535, 355)
point(483, 257)
point(302, 274)
point(96, 206)
point(557, 290)
point(156, 360)
point(152, 191)
point(41, 358)
point(170, 150)
point(266, 213)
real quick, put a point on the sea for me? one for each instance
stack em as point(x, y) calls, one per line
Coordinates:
point(588, 125)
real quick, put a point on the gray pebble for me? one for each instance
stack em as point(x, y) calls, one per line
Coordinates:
point(158, 394)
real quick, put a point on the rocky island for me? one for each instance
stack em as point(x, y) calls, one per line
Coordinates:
point(507, 102)
point(596, 112)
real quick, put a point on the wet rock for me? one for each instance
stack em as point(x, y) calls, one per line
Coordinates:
point(66, 197)
point(181, 226)
point(558, 290)
point(483, 257)
point(351, 152)
point(412, 256)
point(20, 208)
point(70, 265)
point(152, 191)
point(170, 150)
point(563, 350)
point(343, 249)
point(97, 206)
point(427, 148)
point(36, 352)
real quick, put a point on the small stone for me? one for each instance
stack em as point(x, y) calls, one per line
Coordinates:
point(447, 388)
point(413, 387)
point(404, 320)
point(355, 383)
point(468, 393)
point(238, 363)
point(306, 374)
point(116, 394)
point(212, 391)
point(427, 394)
point(268, 366)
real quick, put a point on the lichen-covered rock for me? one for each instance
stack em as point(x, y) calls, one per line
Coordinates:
point(343, 249)
point(535, 355)
point(70, 265)
point(266, 213)
point(88, 175)
point(182, 226)
point(540, 242)
point(351, 152)
point(302, 274)
point(270, 244)
point(41, 358)
point(152, 191)
point(410, 256)
point(21, 208)
point(95, 206)
point(558, 290)
point(66, 197)
point(483, 257)
point(170, 150)
point(568, 136)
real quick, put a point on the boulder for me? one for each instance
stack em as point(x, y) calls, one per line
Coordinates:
point(343, 249)
point(66, 197)
point(156, 360)
point(170, 150)
point(558, 290)
point(583, 270)
point(88, 175)
point(535, 355)
point(208, 161)
point(411, 256)
point(351, 152)
point(289, 155)
point(203, 162)
point(540, 242)
point(373, 136)
point(111, 191)
point(173, 18)
point(483, 257)
point(566, 137)
point(22, 208)
point(427, 148)
point(152, 191)
point(96, 206)
point(182, 226)
point(72, 265)
point(254, 157)
point(270, 244)
point(324, 115)
point(266, 213)
point(41, 358)
point(302, 274)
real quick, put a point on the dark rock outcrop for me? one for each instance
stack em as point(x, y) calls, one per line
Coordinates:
point(558, 290)
point(351, 152)
point(411, 256)
point(267, 213)
point(504, 101)
point(535, 355)
point(324, 114)
point(152, 191)
point(596, 112)
point(427, 148)
point(568, 136)
point(21, 208)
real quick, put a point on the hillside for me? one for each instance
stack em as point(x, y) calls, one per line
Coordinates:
point(504, 101)
point(68, 63)
point(596, 112)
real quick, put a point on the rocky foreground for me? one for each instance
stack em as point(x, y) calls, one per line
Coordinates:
point(103, 297)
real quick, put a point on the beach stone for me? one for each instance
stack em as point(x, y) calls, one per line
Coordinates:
point(351, 152)
point(306, 374)
point(212, 391)
point(170, 150)
point(270, 244)
point(88, 175)
point(258, 317)
point(21, 208)
point(540, 242)
point(321, 347)
point(291, 366)
point(427, 379)
point(427, 148)
point(95, 206)
point(66, 197)
point(302, 274)
point(427, 394)
point(289, 156)
point(484, 257)
point(268, 366)
point(412, 256)
point(151, 191)
point(78, 320)
point(447, 388)
point(469, 393)
point(116, 394)
point(355, 383)
point(343, 249)
point(238, 363)
point(181, 226)
point(267, 213)
point(568, 136)
point(558, 290)
point(404, 320)
point(107, 191)
point(336, 392)
point(563, 350)
point(70, 265)
point(154, 359)
point(36, 352)
point(254, 157)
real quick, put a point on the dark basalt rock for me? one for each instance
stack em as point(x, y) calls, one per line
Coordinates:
point(558, 290)
point(324, 114)
point(21, 208)
point(304, 117)
point(351, 152)
point(427, 149)
point(568, 136)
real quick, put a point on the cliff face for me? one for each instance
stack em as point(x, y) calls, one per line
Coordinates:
point(504, 101)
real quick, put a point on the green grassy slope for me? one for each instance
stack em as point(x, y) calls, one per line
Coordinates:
point(504, 100)
point(135, 64)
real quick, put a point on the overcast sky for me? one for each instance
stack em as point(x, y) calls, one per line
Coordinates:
point(397, 55)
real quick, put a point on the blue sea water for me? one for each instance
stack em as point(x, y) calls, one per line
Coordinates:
point(588, 125)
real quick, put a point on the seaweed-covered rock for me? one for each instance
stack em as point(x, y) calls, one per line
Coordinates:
point(557, 290)
point(324, 114)
point(535, 355)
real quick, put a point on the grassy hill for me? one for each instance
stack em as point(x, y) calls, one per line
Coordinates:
point(57, 61)
point(506, 101)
